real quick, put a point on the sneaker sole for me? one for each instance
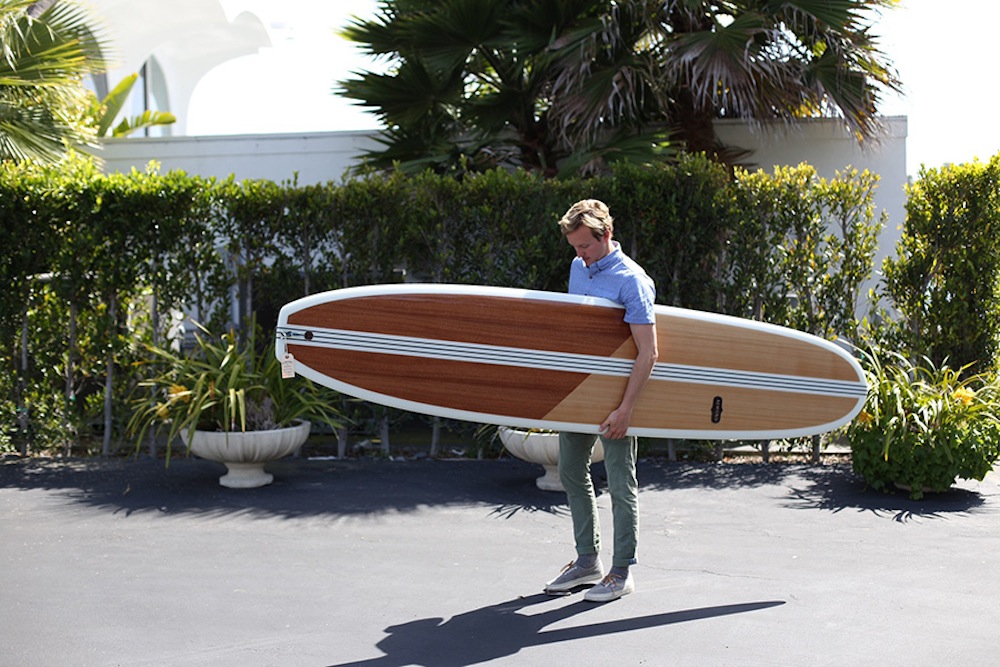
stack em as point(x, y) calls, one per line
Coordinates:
point(593, 596)
point(570, 585)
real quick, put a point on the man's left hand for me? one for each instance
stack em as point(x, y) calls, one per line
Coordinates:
point(616, 425)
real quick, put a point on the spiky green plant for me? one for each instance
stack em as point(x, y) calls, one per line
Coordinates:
point(925, 425)
point(224, 384)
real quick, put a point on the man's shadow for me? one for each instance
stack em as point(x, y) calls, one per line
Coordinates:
point(500, 630)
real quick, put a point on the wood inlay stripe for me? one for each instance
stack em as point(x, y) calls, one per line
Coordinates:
point(425, 348)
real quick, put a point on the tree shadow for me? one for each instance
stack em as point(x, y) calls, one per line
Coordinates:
point(659, 474)
point(836, 489)
point(302, 488)
point(363, 487)
point(830, 487)
point(499, 630)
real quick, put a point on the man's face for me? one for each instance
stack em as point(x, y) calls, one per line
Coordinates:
point(588, 248)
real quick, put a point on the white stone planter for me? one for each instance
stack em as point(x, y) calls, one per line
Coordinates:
point(245, 452)
point(541, 447)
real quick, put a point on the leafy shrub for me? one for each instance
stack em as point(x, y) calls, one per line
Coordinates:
point(924, 426)
point(944, 281)
point(675, 219)
point(805, 237)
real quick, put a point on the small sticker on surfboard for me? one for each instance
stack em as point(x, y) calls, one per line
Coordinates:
point(287, 366)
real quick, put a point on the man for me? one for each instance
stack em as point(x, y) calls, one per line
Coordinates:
point(601, 269)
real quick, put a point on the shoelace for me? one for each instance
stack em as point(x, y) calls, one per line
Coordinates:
point(613, 581)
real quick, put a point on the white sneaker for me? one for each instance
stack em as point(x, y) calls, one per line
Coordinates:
point(611, 588)
point(573, 576)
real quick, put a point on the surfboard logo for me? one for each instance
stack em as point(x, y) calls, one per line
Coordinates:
point(716, 409)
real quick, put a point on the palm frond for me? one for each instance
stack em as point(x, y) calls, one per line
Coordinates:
point(47, 50)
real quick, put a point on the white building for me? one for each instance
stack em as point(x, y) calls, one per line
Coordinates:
point(172, 45)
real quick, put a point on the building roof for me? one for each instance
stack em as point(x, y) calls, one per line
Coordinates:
point(185, 39)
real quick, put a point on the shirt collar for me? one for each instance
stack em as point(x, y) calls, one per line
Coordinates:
point(608, 260)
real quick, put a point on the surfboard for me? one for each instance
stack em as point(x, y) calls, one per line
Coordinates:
point(548, 360)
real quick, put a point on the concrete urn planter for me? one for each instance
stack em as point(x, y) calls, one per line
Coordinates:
point(541, 447)
point(244, 453)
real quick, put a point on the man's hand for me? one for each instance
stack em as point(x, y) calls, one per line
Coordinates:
point(617, 423)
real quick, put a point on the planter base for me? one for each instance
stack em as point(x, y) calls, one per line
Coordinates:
point(245, 476)
point(541, 448)
point(550, 480)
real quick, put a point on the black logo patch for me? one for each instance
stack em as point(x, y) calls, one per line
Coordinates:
point(716, 409)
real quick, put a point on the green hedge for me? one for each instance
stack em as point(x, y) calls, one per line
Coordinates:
point(943, 285)
point(95, 263)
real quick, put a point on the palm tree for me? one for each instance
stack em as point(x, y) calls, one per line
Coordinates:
point(470, 84)
point(565, 85)
point(763, 61)
point(48, 49)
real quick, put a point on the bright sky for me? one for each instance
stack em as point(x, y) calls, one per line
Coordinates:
point(287, 87)
point(940, 50)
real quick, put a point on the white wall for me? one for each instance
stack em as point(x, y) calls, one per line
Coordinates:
point(317, 157)
point(828, 146)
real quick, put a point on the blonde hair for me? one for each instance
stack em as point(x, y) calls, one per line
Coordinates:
point(591, 213)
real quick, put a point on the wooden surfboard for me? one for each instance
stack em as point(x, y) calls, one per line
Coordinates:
point(558, 361)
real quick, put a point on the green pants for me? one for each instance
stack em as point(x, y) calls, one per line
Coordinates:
point(575, 451)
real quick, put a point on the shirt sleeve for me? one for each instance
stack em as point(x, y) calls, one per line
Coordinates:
point(639, 297)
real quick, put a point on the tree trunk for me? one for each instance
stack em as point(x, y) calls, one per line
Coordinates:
point(383, 432)
point(155, 321)
point(22, 389)
point(306, 264)
point(696, 126)
point(436, 436)
point(342, 434)
point(109, 385)
point(70, 395)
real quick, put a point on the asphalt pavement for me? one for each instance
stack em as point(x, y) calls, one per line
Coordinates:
point(441, 563)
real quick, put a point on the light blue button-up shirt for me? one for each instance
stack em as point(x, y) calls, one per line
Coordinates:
point(619, 278)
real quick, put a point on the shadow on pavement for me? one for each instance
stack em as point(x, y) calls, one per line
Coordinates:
point(302, 488)
point(831, 488)
point(840, 490)
point(500, 630)
point(360, 487)
point(661, 474)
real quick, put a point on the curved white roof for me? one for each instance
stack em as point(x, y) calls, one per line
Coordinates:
point(185, 38)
